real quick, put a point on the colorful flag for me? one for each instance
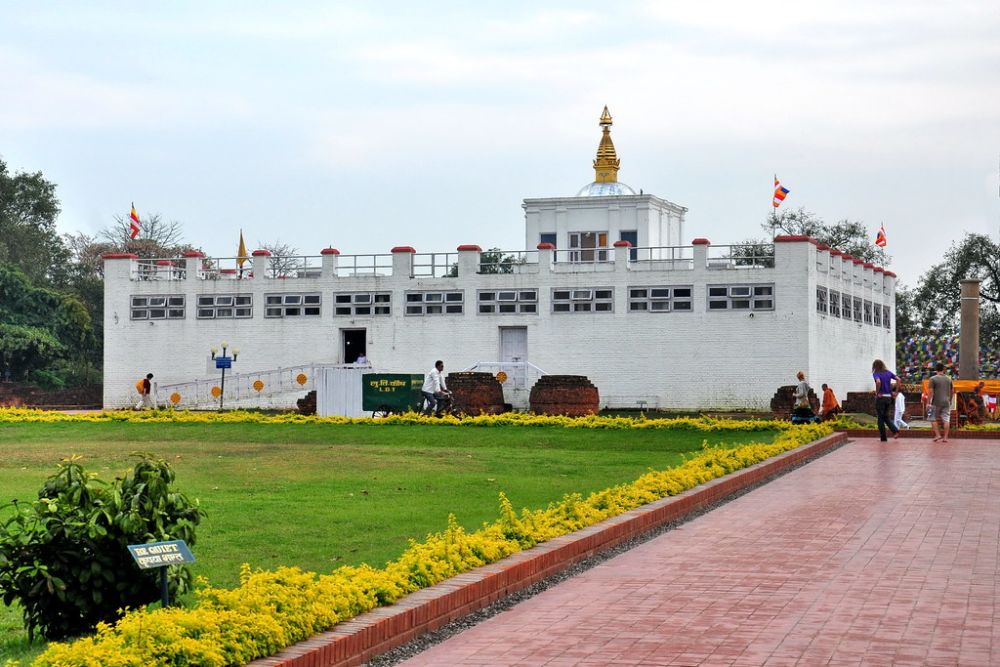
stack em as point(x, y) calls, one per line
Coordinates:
point(780, 192)
point(134, 224)
point(880, 237)
point(241, 254)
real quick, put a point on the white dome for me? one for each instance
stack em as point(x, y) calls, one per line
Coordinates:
point(596, 189)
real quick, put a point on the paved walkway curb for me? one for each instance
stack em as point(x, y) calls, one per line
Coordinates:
point(924, 434)
point(380, 630)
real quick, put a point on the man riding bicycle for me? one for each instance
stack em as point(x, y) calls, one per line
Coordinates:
point(435, 392)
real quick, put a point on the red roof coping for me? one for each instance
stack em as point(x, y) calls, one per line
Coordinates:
point(119, 255)
point(227, 271)
point(890, 274)
point(546, 246)
point(869, 265)
point(623, 244)
point(261, 253)
point(700, 241)
point(164, 262)
point(403, 248)
point(879, 269)
point(466, 247)
point(795, 238)
point(822, 246)
point(836, 253)
point(329, 251)
point(858, 261)
point(194, 253)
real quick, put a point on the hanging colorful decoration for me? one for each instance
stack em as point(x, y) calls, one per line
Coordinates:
point(917, 356)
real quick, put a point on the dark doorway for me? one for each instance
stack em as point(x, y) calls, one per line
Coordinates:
point(355, 344)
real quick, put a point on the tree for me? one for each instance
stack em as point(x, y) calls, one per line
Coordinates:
point(284, 261)
point(39, 325)
point(847, 236)
point(495, 261)
point(936, 301)
point(28, 237)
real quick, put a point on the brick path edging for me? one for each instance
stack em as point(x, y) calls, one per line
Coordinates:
point(363, 637)
point(924, 434)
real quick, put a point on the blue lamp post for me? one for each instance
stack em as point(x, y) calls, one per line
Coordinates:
point(223, 362)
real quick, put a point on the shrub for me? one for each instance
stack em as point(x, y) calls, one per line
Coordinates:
point(64, 557)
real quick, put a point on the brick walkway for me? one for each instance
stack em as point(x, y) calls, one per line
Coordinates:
point(872, 555)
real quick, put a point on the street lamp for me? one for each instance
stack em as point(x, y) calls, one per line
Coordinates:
point(222, 362)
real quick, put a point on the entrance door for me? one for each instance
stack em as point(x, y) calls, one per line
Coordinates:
point(514, 350)
point(355, 344)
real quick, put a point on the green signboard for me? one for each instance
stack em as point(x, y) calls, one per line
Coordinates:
point(391, 392)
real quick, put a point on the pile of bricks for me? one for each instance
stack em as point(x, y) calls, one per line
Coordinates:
point(307, 404)
point(570, 395)
point(476, 393)
point(783, 401)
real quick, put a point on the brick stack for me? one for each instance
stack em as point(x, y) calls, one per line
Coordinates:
point(476, 393)
point(570, 395)
point(784, 400)
point(864, 402)
point(307, 404)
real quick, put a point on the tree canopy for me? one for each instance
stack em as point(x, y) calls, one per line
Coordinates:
point(28, 237)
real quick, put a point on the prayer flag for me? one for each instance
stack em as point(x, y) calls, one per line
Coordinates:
point(241, 254)
point(880, 237)
point(780, 192)
point(134, 224)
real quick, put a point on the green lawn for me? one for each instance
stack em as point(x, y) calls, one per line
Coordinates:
point(319, 496)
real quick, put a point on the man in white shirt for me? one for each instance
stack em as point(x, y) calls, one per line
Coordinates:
point(434, 390)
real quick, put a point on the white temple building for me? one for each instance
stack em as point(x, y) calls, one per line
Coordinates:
point(609, 286)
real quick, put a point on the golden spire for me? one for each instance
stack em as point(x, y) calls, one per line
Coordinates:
point(607, 162)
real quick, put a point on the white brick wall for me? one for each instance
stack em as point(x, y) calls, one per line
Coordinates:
point(677, 360)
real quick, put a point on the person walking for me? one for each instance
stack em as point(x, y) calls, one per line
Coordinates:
point(897, 418)
point(801, 391)
point(884, 383)
point(941, 390)
point(145, 389)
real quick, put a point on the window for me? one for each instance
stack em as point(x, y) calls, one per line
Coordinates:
point(886, 311)
point(867, 309)
point(596, 300)
point(225, 306)
point(741, 297)
point(846, 307)
point(821, 300)
point(632, 236)
point(547, 238)
point(435, 303)
point(877, 314)
point(834, 303)
point(588, 246)
point(508, 301)
point(362, 304)
point(857, 309)
point(659, 299)
point(169, 307)
point(291, 305)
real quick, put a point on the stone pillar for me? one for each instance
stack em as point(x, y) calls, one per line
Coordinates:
point(701, 253)
point(192, 264)
point(260, 264)
point(968, 342)
point(546, 253)
point(402, 261)
point(329, 258)
point(468, 259)
point(621, 256)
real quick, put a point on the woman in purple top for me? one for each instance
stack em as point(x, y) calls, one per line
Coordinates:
point(884, 404)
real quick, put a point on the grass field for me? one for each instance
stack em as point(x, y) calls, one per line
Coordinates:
point(319, 496)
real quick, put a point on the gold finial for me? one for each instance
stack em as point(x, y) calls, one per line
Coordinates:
point(607, 162)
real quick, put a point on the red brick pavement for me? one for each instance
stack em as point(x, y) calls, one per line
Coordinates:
point(876, 554)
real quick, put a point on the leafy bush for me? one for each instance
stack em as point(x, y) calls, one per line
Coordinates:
point(64, 557)
point(46, 379)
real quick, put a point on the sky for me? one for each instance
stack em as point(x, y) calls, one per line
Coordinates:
point(365, 126)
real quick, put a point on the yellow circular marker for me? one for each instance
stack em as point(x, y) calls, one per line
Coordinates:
point(501, 377)
point(216, 392)
point(301, 378)
point(258, 385)
point(175, 398)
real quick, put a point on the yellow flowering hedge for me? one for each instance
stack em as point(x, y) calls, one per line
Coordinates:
point(273, 609)
point(29, 415)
